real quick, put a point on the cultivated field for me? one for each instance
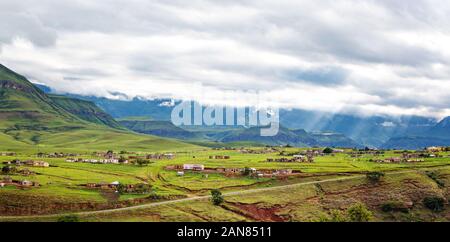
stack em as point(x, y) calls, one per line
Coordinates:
point(312, 192)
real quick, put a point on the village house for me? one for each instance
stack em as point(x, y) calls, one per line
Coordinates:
point(109, 161)
point(193, 167)
point(395, 160)
point(37, 163)
point(435, 149)
point(109, 155)
point(26, 172)
point(8, 154)
point(295, 158)
point(282, 172)
point(26, 183)
point(7, 179)
point(233, 170)
point(219, 157)
point(168, 156)
point(13, 162)
point(103, 185)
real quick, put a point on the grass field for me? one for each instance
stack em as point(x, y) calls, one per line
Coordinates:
point(62, 187)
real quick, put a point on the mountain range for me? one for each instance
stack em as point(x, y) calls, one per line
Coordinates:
point(387, 132)
point(26, 105)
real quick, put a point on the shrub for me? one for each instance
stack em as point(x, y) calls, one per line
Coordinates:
point(217, 197)
point(122, 159)
point(338, 216)
point(435, 177)
point(328, 150)
point(359, 213)
point(246, 172)
point(7, 170)
point(142, 162)
point(436, 204)
point(394, 207)
point(69, 219)
point(374, 177)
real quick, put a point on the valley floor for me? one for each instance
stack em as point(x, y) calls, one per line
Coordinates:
point(320, 190)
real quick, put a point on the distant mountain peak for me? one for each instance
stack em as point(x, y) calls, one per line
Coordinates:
point(444, 123)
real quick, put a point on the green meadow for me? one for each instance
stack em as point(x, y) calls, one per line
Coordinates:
point(62, 184)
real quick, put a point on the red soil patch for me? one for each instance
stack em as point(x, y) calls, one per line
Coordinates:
point(263, 214)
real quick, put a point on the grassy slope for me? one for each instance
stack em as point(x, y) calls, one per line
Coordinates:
point(85, 110)
point(159, 128)
point(303, 203)
point(29, 117)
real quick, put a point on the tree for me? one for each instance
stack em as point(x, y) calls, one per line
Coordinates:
point(246, 172)
point(9, 170)
point(142, 162)
point(328, 150)
point(359, 213)
point(375, 176)
point(122, 159)
point(217, 197)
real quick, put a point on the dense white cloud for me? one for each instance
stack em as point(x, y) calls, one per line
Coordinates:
point(364, 56)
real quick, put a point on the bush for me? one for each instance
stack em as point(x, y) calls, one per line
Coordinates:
point(217, 197)
point(246, 172)
point(338, 216)
point(359, 213)
point(394, 207)
point(435, 177)
point(138, 189)
point(69, 219)
point(328, 150)
point(436, 204)
point(374, 177)
point(7, 170)
point(142, 162)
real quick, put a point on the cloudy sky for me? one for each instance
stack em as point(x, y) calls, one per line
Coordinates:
point(362, 56)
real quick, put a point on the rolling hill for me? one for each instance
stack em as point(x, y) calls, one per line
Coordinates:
point(85, 110)
point(437, 135)
point(159, 128)
point(31, 119)
point(298, 138)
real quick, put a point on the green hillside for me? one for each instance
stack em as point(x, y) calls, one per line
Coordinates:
point(160, 128)
point(85, 110)
point(31, 120)
point(23, 106)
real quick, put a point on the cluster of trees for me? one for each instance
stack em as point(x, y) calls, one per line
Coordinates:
point(137, 189)
point(356, 213)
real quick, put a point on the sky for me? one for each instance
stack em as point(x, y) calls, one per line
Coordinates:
point(365, 57)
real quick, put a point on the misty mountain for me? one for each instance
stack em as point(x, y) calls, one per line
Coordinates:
point(160, 128)
point(437, 135)
point(372, 131)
